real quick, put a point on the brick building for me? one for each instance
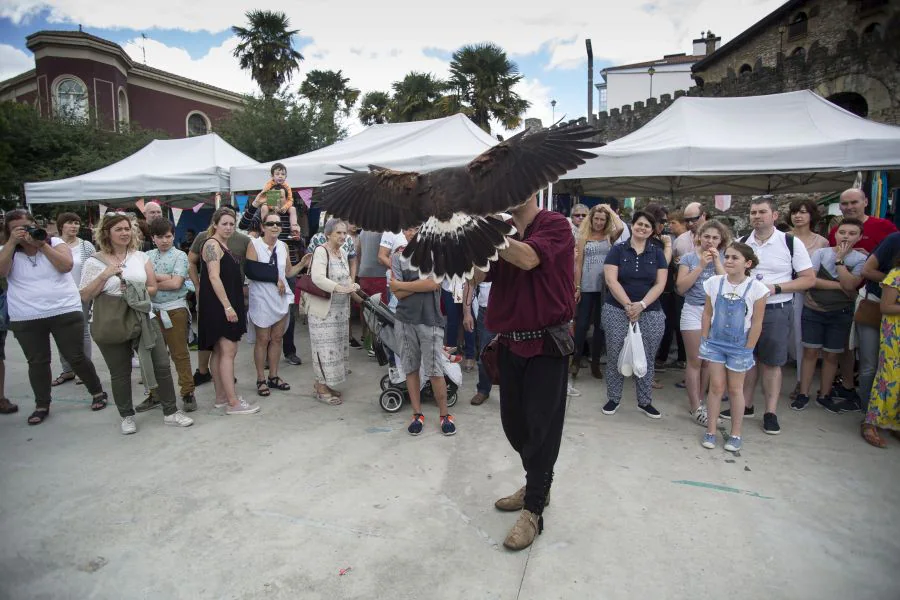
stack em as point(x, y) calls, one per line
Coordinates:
point(79, 74)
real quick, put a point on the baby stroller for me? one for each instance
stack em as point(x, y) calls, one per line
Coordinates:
point(394, 392)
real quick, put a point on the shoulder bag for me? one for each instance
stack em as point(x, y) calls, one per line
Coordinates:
point(306, 284)
point(114, 321)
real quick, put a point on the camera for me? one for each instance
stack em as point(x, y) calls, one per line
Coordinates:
point(38, 234)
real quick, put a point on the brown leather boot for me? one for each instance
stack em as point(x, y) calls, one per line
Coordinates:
point(528, 526)
point(478, 399)
point(8, 408)
point(516, 501)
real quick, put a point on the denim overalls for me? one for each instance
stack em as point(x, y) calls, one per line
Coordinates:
point(727, 338)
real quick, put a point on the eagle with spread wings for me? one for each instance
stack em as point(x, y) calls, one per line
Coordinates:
point(454, 207)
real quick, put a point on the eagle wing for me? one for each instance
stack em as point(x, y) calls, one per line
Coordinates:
point(379, 199)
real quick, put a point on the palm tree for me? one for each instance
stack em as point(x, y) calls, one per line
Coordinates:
point(266, 49)
point(484, 78)
point(329, 89)
point(416, 95)
point(374, 108)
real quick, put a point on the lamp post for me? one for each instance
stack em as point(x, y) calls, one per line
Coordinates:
point(651, 71)
point(553, 106)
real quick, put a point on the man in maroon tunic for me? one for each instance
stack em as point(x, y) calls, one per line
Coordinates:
point(532, 304)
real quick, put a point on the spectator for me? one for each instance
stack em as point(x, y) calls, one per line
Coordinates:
point(6, 407)
point(170, 266)
point(270, 302)
point(351, 247)
point(389, 241)
point(668, 299)
point(853, 205)
point(118, 266)
point(596, 236)
point(778, 264)
point(452, 297)
point(371, 275)
point(578, 214)
point(329, 318)
point(221, 314)
point(804, 215)
point(419, 331)
point(189, 236)
point(732, 322)
point(677, 224)
point(694, 270)
point(69, 224)
point(828, 312)
point(481, 294)
point(694, 218)
point(152, 211)
point(884, 406)
point(43, 301)
point(635, 273)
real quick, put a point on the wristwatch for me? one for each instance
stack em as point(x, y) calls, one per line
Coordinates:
point(839, 263)
point(777, 288)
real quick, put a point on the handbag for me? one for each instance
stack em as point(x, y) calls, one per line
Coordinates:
point(306, 284)
point(632, 358)
point(489, 358)
point(114, 321)
point(868, 313)
point(260, 271)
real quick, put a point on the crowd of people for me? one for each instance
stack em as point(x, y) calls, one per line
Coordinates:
point(737, 308)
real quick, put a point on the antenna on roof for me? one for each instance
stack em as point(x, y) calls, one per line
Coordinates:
point(80, 30)
point(144, 47)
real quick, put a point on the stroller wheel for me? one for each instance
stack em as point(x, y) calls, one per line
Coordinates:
point(385, 382)
point(451, 398)
point(391, 400)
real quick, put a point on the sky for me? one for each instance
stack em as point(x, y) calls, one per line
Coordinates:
point(377, 43)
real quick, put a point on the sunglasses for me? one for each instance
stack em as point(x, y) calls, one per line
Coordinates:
point(272, 223)
point(691, 219)
point(578, 216)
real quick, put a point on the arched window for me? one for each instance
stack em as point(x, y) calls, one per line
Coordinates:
point(797, 26)
point(124, 119)
point(745, 69)
point(71, 98)
point(197, 124)
point(799, 51)
point(872, 32)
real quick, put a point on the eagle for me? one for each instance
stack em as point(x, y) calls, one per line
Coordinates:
point(455, 207)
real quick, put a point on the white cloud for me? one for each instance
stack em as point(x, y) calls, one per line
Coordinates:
point(13, 61)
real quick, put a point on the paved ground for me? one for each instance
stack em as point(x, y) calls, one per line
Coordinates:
point(279, 504)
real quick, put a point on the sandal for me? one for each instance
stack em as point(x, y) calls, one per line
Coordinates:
point(335, 393)
point(327, 398)
point(38, 416)
point(870, 434)
point(99, 401)
point(7, 407)
point(278, 383)
point(63, 377)
point(261, 388)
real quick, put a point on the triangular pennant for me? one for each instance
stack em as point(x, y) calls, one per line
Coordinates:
point(140, 205)
point(102, 210)
point(176, 215)
point(306, 195)
point(197, 207)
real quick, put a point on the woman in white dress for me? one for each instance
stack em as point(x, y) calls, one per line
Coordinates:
point(269, 303)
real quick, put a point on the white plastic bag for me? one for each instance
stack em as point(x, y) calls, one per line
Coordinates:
point(632, 359)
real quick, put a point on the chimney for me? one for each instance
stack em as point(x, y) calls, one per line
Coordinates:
point(712, 42)
point(699, 45)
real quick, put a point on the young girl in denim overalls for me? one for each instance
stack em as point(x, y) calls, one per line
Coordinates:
point(732, 321)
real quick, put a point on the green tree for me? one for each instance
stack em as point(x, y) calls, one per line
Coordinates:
point(266, 49)
point(416, 97)
point(329, 89)
point(375, 108)
point(34, 148)
point(483, 78)
point(272, 128)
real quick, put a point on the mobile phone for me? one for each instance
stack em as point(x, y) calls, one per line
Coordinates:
point(273, 198)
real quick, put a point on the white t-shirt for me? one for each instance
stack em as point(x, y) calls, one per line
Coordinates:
point(391, 240)
point(775, 264)
point(134, 271)
point(37, 290)
point(759, 290)
point(81, 251)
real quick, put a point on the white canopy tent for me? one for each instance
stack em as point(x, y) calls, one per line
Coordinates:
point(781, 143)
point(417, 146)
point(183, 167)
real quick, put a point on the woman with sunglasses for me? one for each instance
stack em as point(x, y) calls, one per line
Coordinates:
point(269, 303)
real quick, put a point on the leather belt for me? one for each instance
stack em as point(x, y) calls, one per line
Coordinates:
point(524, 336)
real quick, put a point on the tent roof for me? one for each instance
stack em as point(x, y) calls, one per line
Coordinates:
point(196, 165)
point(781, 143)
point(417, 146)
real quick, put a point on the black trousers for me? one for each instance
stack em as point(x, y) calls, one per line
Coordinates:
point(672, 304)
point(532, 410)
point(287, 341)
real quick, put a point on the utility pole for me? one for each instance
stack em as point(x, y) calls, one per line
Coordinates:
point(590, 87)
point(553, 105)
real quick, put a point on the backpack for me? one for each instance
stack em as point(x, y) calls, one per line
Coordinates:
point(789, 241)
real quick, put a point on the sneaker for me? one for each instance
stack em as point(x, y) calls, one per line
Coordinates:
point(201, 378)
point(354, 343)
point(128, 426)
point(571, 391)
point(849, 405)
point(839, 391)
point(371, 353)
point(770, 424)
point(416, 425)
point(293, 359)
point(709, 441)
point(149, 403)
point(800, 402)
point(610, 408)
point(242, 408)
point(828, 404)
point(189, 402)
point(749, 413)
point(700, 416)
point(448, 427)
point(220, 404)
point(178, 418)
point(650, 411)
point(733, 444)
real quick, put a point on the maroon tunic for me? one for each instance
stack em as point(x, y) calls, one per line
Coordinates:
point(542, 297)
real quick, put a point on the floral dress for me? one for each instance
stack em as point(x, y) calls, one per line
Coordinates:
point(884, 402)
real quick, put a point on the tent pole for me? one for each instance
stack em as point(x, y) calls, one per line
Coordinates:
point(541, 198)
point(550, 197)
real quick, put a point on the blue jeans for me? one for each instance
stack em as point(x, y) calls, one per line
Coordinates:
point(484, 338)
point(454, 319)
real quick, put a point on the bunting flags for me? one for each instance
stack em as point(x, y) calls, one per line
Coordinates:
point(102, 210)
point(197, 207)
point(176, 215)
point(140, 205)
point(306, 195)
point(723, 202)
